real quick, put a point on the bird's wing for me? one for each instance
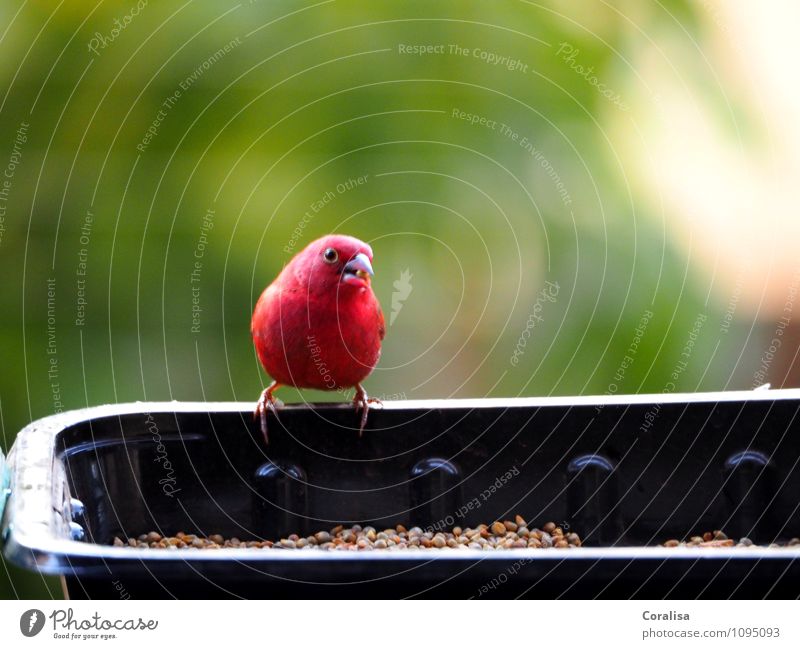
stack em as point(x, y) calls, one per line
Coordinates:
point(381, 321)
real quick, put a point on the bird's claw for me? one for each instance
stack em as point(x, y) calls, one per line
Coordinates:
point(361, 401)
point(266, 402)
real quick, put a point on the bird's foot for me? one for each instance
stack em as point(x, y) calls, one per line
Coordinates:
point(267, 402)
point(362, 401)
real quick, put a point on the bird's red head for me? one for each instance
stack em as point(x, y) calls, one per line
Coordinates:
point(335, 260)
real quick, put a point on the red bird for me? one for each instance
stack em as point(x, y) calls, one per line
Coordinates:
point(319, 325)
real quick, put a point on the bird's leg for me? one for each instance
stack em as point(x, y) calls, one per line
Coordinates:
point(361, 401)
point(266, 402)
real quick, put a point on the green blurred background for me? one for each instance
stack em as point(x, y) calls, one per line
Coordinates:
point(526, 146)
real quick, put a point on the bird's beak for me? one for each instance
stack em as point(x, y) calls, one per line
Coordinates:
point(358, 270)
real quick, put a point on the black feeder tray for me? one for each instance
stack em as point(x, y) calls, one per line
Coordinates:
point(625, 472)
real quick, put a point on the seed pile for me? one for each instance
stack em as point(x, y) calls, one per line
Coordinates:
point(503, 535)
point(718, 539)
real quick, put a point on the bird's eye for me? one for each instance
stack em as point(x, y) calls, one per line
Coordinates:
point(331, 256)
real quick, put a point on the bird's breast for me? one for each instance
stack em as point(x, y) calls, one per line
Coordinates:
point(313, 341)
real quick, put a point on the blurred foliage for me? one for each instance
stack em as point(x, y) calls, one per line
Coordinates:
point(311, 95)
